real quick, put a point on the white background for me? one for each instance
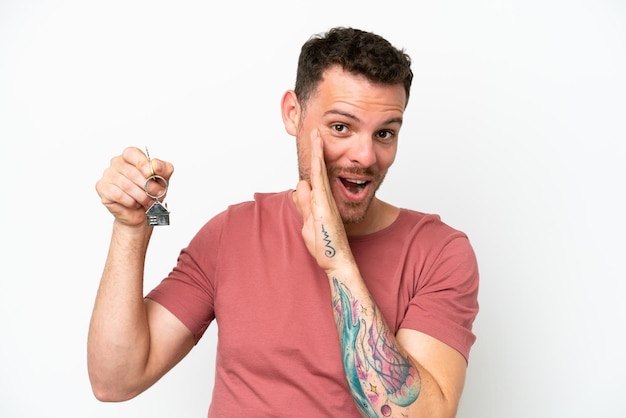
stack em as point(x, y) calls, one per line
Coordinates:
point(515, 133)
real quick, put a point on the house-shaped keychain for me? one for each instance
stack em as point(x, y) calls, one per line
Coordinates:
point(158, 214)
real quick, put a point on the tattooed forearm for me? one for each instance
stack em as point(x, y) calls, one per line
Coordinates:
point(330, 250)
point(348, 333)
point(381, 378)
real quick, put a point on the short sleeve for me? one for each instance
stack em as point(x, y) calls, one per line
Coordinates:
point(445, 301)
point(188, 291)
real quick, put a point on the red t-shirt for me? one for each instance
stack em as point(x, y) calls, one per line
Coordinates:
point(278, 352)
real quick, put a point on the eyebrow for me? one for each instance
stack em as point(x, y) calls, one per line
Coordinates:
point(353, 117)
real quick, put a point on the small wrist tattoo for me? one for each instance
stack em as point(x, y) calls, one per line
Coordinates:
point(329, 251)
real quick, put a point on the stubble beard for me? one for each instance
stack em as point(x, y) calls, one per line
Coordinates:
point(354, 213)
point(350, 212)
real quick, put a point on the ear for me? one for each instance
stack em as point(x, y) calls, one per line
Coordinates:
point(290, 109)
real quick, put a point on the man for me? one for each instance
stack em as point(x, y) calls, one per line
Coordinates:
point(330, 302)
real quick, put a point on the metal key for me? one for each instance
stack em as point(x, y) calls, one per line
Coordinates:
point(157, 214)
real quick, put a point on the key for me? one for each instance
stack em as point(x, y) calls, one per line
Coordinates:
point(157, 214)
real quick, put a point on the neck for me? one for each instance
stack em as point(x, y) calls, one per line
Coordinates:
point(378, 216)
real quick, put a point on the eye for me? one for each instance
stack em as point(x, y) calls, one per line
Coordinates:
point(339, 128)
point(385, 136)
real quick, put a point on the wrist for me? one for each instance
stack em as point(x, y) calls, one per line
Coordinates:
point(125, 231)
point(343, 271)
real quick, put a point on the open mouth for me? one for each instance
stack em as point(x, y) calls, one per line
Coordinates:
point(353, 185)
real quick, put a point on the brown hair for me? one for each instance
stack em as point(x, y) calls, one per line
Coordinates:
point(356, 51)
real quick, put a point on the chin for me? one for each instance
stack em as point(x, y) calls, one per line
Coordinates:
point(352, 220)
point(354, 213)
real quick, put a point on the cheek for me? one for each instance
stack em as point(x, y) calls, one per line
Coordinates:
point(304, 159)
point(385, 157)
point(332, 155)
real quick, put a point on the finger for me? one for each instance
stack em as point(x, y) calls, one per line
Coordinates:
point(136, 166)
point(122, 184)
point(303, 195)
point(162, 168)
point(318, 167)
point(137, 158)
point(322, 194)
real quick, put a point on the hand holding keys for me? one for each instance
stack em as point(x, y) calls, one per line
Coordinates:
point(157, 214)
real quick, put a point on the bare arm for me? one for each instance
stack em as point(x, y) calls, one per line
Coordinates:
point(131, 342)
point(409, 373)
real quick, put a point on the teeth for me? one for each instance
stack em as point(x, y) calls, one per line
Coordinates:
point(359, 182)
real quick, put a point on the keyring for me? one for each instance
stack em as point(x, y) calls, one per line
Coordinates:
point(150, 161)
point(157, 214)
point(156, 178)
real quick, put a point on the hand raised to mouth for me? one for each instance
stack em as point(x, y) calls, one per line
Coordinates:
point(323, 230)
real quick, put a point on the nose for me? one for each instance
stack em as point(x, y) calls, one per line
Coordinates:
point(362, 151)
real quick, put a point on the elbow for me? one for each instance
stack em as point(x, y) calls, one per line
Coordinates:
point(110, 393)
point(105, 396)
point(110, 389)
point(111, 384)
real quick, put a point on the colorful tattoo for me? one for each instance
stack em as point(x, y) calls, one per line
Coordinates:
point(370, 355)
point(349, 333)
point(399, 377)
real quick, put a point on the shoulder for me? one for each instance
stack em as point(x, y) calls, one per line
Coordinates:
point(243, 214)
point(434, 241)
point(261, 201)
point(427, 224)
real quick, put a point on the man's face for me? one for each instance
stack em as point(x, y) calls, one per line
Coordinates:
point(359, 123)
